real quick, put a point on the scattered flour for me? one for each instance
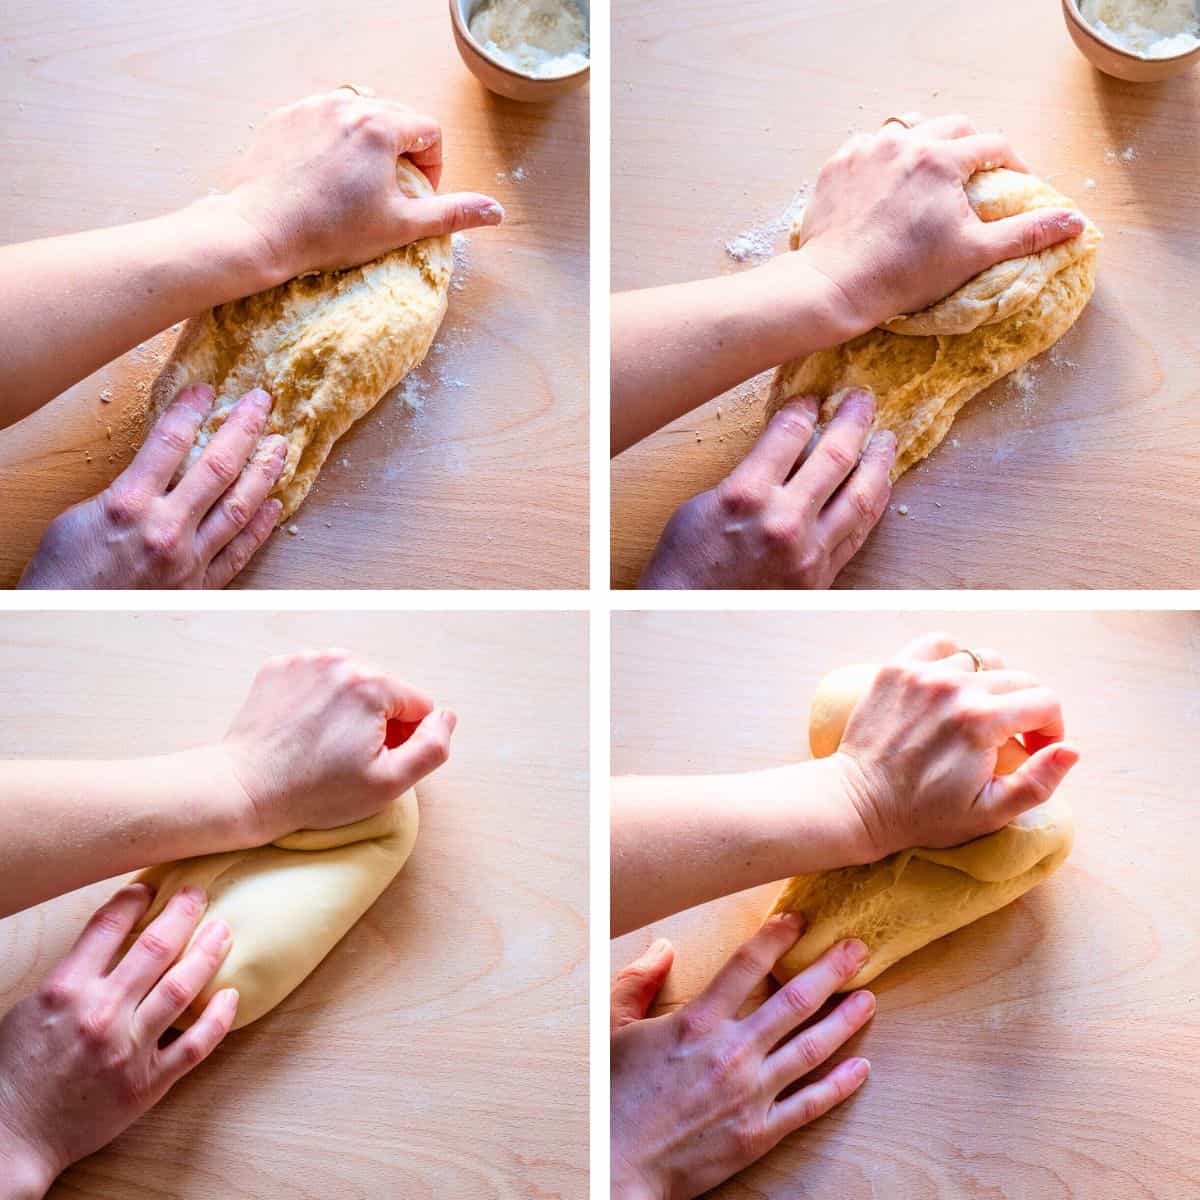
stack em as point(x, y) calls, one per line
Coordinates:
point(461, 247)
point(1147, 28)
point(758, 243)
point(516, 175)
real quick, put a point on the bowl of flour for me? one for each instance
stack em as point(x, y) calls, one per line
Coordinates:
point(1139, 40)
point(524, 49)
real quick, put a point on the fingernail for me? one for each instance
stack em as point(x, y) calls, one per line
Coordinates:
point(1071, 222)
point(791, 920)
point(193, 895)
point(217, 933)
point(257, 399)
point(857, 951)
point(810, 406)
point(883, 443)
point(861, 398)
point(860, 1068)
point(230, 998)
point(658, 947)
point(862, 1003)
point(203, 391)
point(275, 507)
point(492, 214)
point(449, 719)
point(137, 889)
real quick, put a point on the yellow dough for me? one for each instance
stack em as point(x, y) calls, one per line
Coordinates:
point(288, 903)
point(913, 897)
point(327, 347)
point(923, 368)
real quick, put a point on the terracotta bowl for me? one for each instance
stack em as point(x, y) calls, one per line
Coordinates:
point(497, 77)
point(1112, 60)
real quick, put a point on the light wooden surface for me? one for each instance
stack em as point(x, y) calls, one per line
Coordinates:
point(117, 112)
point(1046, 1051)
point(721, 112)
point(441, 1049)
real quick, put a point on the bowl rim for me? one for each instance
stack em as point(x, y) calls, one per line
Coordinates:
point(464, 30)
point(1072, 9)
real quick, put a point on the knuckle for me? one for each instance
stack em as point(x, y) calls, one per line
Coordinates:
point(155, 947)
point(794, 423)
point(807, 1052)
point(163, 543)
point(750, 960)
point(123, 505)
point(134, 1090)
point(726, 1065)
point(175, 991)
point(840, 455)
point(740, 497)
point(237, 511)
point(810, 567)
point(780, 532)
point(95, 1024)
point(694, 1022)
point(750, 1138)
point(798, 999)
point(221, 467)
point(193, 1053)
point(57, 994)
point(176, 435)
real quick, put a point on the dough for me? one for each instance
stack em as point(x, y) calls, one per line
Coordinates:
point(913, 897)
point(923, 368)
point(327, 347)
point(288, 903)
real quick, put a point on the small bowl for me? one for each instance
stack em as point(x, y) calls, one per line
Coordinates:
point(497, 77)
point(1112, 60)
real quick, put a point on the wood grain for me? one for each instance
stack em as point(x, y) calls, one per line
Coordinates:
point(722, 112)
point(1046, 1051)
point(441, 1049)
point(117, 112)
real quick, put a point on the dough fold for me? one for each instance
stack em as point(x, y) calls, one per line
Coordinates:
point(287, 903)
point(326, 346)
point(924, 367)
point(913, 897)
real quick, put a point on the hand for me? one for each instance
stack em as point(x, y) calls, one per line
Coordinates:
point(80, 1059)
point(771, 525)
point(318, 184)
point(141, 532)
point(323, 741)
point(919, 750)
point(890, 227)
point(696, 1093)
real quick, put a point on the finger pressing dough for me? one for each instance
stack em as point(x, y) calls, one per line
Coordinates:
point(923, 368)
point(913, 897)
point(288, 903)
point(327, 347)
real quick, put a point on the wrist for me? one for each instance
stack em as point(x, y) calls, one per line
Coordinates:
point(859, 828)
point(627, 1183)
point(24, 1173)
point(228, 815)
point(243, 260)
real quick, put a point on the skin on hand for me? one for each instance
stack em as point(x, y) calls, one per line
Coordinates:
point(318, 183)
point(792, 514)
point(144, 532)
point(890, 227)
point(80, 1059)
point(323, 740)
point(920, 748)
point(696, 1093)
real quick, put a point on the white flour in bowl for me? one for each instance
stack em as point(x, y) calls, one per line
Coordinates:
point(542, 38)
point(1147, 28)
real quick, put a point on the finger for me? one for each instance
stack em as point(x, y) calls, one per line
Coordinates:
point(426, 750)
point(960, 660)
point(856, 509)
point(172, 994)
point(1027, 233)
point(168, 443)
point(436, 216)
point(774, 456)
point(238, 507)
point(195, 1044)
point(403, 702)
point(999, 682)
point(804, 993)
point(806, 1105)
point(913, 118)
point(749, 965)
point(159, 944)
point(1036, 710)
point(984, 152)
point(411, 134)
point(811, 1047)
point(222, 460)
point(929, 647)
point(1034, 782)
point(232, 561)
point(106, 931)
point(837, 451)
point(637, 984)
point(949, 126)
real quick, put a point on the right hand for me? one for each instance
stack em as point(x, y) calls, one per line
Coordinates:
point(919, 751)
point(772, 524)
point(80, 1058)
point(142, 532)
point(696, 1093)
point(323, 741)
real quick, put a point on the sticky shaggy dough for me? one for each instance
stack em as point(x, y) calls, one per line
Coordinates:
point(924, 367)
point(288, 903)
point(913, 897)
point(327, 347)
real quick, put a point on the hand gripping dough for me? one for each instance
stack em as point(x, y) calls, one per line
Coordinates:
point(288, 903)
point(913, 897)
point(923, 368)
point(327, 347)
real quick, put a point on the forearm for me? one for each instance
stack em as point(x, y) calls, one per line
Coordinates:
point(67, 824)
point(678, 841)
point(70, 304)
point(674, 348)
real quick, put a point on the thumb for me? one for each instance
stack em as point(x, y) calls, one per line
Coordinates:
point(424, 751)
point(636, 985)
point(1032, 783)
point(1030, 233)
point(435, 216)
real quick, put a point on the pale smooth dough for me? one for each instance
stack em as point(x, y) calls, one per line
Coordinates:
point(924, 367)
point(288, 903)
point(913, 897)
point(327, 347)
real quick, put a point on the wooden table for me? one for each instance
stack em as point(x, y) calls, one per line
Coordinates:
point(1046, 1051)
point(441, 1049)
point(722, 112)
point(117, 112)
